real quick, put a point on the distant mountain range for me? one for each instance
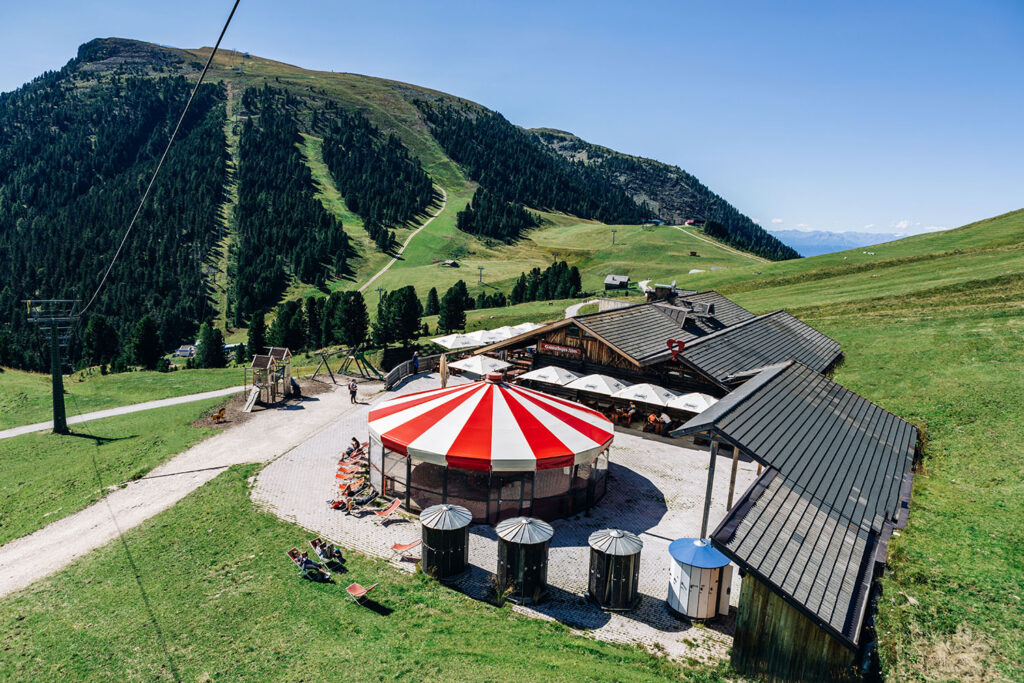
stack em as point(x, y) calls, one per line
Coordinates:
point(815, 242)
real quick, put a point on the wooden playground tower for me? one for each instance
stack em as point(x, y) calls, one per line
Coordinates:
point(270, 378)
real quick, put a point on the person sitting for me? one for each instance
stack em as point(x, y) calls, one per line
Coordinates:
point(326, 551)
point(353, 447)
point(310, 567)
point(626, 416)
point(653, 424)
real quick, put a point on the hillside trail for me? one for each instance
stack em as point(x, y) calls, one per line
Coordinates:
point(571, 311)
point(121, 410)
point(272, 433)
point(444, 203)
point(720, 245)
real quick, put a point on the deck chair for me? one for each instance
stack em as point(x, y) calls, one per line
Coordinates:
point(385, 514)
point(326, 551)
point(400, 549)
point(357, 592)
point(311, 570)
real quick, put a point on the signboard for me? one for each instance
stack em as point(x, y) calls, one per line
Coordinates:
point(545, 347)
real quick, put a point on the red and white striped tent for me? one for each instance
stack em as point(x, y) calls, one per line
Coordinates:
point(490, 425)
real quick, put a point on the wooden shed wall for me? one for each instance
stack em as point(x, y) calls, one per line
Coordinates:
point(775, 642)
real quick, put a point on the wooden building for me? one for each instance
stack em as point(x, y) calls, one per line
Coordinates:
point(272, 374)
point(616, 282)
point(810, 535)
point(703, 343)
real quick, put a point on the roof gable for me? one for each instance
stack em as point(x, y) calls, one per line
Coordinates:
point(758, 342)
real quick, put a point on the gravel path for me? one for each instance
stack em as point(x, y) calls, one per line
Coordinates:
point(571, 311)
point(269, 434)
point(122, 410)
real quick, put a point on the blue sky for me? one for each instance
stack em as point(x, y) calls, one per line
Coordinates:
point(870, 116)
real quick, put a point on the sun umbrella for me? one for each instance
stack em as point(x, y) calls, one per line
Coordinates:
point(442, 369)
point(694, 403)
point(525, 327)
point(598, 384)
point(551, 375)
point(480, 365)
point(481, 337)
point(650, 394)
point(457, 341)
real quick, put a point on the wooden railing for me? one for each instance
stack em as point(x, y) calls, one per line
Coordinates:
point(403, 370)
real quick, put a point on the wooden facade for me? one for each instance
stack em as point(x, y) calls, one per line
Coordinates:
point(776, 642)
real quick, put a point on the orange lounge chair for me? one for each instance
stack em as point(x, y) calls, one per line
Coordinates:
point(386, 513)
point(357, 592)
point(401, 549)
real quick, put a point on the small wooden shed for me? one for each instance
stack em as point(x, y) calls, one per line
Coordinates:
point(272, 374)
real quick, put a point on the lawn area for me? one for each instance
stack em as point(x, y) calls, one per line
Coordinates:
point(25, 397)
point(44, 476)
point(204, 591)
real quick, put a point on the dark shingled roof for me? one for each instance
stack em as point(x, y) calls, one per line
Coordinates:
point(727, 311)
point(261, 361)
point(279, 352)
point(638, 331)
point(838, 468)
point(758, 342)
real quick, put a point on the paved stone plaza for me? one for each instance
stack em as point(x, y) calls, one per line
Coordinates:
point(656, 490)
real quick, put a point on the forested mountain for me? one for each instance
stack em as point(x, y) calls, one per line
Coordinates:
point(507, 161)
point(672, 194)
point(283, 230)
point(380, 180)
point(75, 155)
point(77, 147)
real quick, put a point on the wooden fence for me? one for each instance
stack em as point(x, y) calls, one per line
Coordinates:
point(403, 370)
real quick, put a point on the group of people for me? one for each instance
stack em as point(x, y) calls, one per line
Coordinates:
point(347, 501)
point(657, 422)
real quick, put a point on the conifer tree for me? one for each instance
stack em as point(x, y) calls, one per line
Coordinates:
point(256, 340)
point(146, 349)
point(433, 305)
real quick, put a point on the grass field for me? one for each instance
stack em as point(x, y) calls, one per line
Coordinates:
point(25, 397)
point(204, 591)
point(44, 476)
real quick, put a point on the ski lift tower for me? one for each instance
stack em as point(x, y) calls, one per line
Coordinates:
point(56, 316)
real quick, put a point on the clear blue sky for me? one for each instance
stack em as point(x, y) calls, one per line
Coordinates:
point(901, 116)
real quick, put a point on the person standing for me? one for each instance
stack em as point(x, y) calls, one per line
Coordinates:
point(415, 363)
point(353, 389)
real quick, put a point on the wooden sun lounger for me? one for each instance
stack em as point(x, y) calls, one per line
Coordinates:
point(357, 592)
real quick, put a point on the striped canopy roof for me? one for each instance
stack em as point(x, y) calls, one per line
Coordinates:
point(490, 425)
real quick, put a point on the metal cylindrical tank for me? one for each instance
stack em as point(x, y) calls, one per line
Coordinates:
point(700, 579)
point(523, 544)
point(445, 540)
point(615, 569)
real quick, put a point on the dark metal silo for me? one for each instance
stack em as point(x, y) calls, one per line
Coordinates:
point(445, 540)
point(615, 569)
point(523, 558)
